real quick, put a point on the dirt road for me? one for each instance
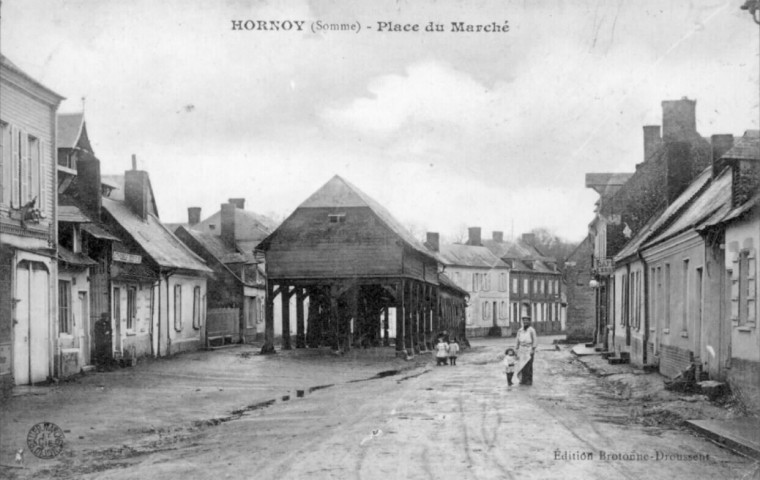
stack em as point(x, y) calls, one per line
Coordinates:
point(430, 422)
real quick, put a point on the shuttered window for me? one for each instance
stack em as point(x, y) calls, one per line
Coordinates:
point(178, 307)
point(197, 308)
point(743, 287)
point(64, 306)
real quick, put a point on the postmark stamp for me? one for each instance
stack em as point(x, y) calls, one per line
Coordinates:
point(45, 440)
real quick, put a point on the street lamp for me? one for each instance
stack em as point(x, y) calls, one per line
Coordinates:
point(593, 283)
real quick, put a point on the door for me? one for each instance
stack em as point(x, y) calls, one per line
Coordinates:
point(84, 329)
point(31, 359)
point(495, 311)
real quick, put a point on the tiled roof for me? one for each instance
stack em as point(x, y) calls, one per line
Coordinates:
point(98, 232)
point(708, 206)
point(155, 239)
point(445, 281)
point(69, 128)
point(218, 248)
point(249, 226)
point(470, 256)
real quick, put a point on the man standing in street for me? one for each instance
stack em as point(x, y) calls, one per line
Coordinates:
point(527, 341)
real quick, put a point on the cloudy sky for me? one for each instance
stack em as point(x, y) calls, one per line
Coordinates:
point(446, 129)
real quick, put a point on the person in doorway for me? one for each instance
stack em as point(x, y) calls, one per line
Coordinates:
point(527, 341)
point(510, 360)
point(441, 352)
point(453, 351)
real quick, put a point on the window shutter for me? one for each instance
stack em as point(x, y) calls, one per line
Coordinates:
point(42, 157)
point(735, 288)
point(24, 145)
point(34, 171)
point(751, 286)
point(15, 180)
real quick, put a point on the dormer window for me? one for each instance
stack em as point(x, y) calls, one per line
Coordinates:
point(337, 217)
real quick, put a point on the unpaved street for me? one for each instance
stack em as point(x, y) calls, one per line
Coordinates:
point(427, 422)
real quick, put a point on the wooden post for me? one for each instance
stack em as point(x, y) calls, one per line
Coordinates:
point(334, 320)
point(400, 316)
point(285, 297)
point(300, 330)
point(314, 323)
point(386, 326)
point(268, 346)
point(408, 319)
point(435, 306)
point(416, 318)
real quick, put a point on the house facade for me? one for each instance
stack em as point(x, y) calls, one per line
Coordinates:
point(576, 276)
point(28, 266)
point(485, 277)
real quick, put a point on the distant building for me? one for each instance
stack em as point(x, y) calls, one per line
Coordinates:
point(485, 277)
point(577, 278)
point(535, 288)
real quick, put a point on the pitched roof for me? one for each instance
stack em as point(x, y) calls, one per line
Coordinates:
point(154, 238)
point(445, 281)
point(5, 62)
point(746, 147)
point(338, 192)
point(249, 226)
point(606, 183)
point(709, 205)
point(69, 129)
point(67, 256)
point(470, 256)
point(514, 249)
point(217, 247)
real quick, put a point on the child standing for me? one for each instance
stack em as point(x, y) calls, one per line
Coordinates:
point(441, 352)
point(510, 359)
point(453, 351)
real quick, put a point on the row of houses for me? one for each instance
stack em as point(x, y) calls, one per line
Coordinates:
point(675, 254)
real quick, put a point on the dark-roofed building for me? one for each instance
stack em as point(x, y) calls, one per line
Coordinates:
point(673, 158)
point(28, 266)
point(148, 290)
point(236, 291)
point(354, 261)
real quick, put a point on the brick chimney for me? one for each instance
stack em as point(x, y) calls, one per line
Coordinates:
point(497, 236)
point(136, 193)
point(433, 241)
point(238, 202)
point(652, 140)
point(679, 168)
point(679, 119)
point(720, 145)
point(193, 215)
point(474, 236)
point(228, 223)
point(88, 185)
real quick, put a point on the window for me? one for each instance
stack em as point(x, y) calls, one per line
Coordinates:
point(5, 163)
point(486, 310)
point(131, 307)
point(337, 217)
point(515, 316)
point(503, 310)
point(64, 306)
point(117, 304)
point(178, 308)
point(251, 312)
point(743, 278)
point(503, 282)
point(486, 282)
point(525, 286)
point(197, 308)
point(667, 296)
point(514, 285)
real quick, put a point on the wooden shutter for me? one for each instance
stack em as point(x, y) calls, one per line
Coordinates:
point(751, 286)
point(15, 164)
point(34, 170)
point(24, 172)
point(735, 288)
point(43, 157)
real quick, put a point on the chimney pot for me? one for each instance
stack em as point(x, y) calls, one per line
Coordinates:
point(228, 223)
point(238, 202)
point(474, 236)
point(134, 162)
point(193, 215)
point(89, 185)
point(433, 241)
point(497, 236)
point(652, 140)
point(679, 120)
point(720, 145)
point(136, 192)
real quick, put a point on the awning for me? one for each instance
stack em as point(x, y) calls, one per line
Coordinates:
point(72, 214)
point(79, 259)
point(98, 232)
point(132, 272)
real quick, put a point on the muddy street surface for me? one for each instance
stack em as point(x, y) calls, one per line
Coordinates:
point(387, 419)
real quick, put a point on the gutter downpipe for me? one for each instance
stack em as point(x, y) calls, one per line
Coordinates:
point(645, 340)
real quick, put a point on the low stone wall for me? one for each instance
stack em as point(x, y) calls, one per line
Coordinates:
point(744, 380)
